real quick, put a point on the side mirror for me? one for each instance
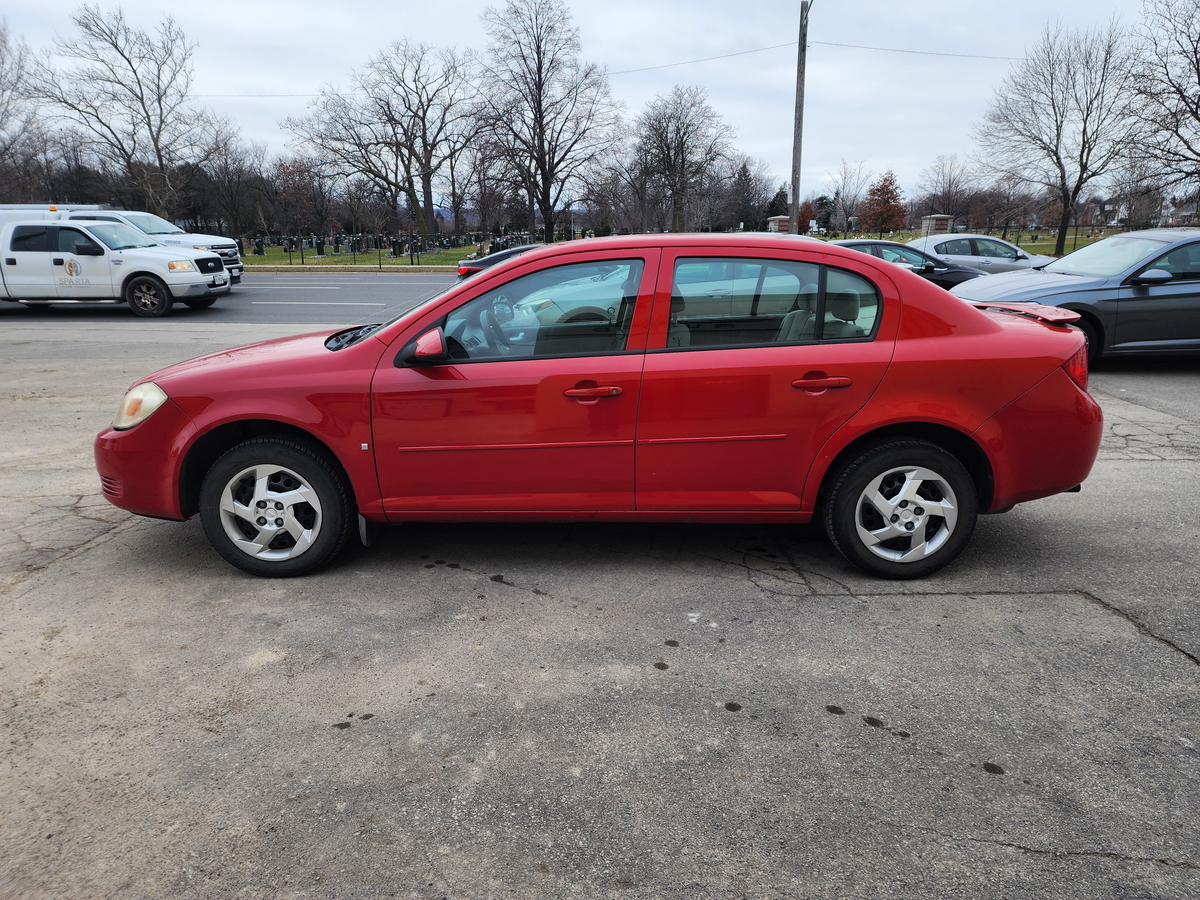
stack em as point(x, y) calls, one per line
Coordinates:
point(86, 249)
point(1152, 276)
point(929, 268)
point(1022, 256)
point(427, 350)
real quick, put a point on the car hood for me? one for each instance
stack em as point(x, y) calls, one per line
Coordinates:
point(1025, 285)
point(293, 354)
point(192, 240)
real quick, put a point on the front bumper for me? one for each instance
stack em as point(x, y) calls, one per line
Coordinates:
point(139, 467)
point(213, 286)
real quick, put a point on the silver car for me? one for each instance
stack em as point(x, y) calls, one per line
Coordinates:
point(980, 251)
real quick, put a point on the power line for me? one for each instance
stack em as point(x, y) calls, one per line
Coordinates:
point(688, 62)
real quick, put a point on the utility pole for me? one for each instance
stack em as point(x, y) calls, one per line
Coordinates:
point(794, 206)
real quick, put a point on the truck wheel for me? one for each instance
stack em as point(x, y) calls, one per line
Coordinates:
point(902, 510)
point(200, 303)
point(275, 507)
point(149, 297)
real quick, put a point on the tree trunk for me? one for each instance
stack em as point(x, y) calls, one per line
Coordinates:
point(1064, 224)
point(427, 192)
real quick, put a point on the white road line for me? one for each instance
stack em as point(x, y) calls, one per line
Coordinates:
point(311, 303)
point(297, 287)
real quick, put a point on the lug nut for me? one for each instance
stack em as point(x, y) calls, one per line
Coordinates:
point(919, 511)
point(908, 526)
point(261, 521)
point(278, 505)
point(902, 504)
point(895, 518)
point(279, 522)
point(262, 504)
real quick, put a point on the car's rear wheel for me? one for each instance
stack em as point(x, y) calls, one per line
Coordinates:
point(148, 297)
point(902, 510)
point(275, 507)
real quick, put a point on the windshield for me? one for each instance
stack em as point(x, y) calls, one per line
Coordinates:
point(1108, 257)
point(152, 224)
point(119, 236)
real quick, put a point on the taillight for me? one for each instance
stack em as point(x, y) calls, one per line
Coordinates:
point(1077, 367)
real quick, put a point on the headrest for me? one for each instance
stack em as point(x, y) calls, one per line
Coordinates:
point(844, 305)
point(678, 304)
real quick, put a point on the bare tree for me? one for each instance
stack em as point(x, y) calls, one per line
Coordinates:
point(128, 92)
point(682, 139)
point(848, 186)
point(410, 112)
point(232, 169)
point(1167, 84)
point(552, 113)
point(946, 187)
point(1062, 116)
point(18, 125)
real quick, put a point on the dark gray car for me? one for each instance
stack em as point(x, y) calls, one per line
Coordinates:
point(1137, 292)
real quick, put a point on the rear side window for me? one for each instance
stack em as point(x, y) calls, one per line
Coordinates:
point(30, 238)
point(740, 302)
point(960, 247)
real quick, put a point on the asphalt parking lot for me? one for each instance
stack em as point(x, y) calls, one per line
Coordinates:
point(588, 711)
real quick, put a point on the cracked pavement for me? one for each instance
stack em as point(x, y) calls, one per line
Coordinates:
point(582, 711)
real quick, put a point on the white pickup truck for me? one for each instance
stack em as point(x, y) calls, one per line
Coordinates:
point(88, 261)
point(172, 235)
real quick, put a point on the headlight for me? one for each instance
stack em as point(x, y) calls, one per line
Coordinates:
point(199, 247)
point(181, 265)
point(138, 405)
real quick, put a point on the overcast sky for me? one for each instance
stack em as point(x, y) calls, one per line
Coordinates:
point(894, 110)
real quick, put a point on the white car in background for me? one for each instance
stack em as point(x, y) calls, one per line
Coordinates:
point(980, 251)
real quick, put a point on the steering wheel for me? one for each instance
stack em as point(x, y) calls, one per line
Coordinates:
point(495, 336)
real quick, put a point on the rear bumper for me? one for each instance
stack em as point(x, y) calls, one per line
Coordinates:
point(1043, 443)
point(139, 468)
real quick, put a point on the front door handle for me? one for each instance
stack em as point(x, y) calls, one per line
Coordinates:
point(816, 383)
point(593, 393)
point(56, 261)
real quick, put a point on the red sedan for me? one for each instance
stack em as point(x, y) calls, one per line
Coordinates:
point(699, 378)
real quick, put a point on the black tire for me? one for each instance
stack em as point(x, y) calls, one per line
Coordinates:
point(1095, 343)
point(307, 495)
point(201, 303)
point(148, 297)
point(903, 539)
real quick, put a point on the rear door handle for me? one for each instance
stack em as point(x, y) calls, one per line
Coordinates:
point(591, 393)
point(823, 382)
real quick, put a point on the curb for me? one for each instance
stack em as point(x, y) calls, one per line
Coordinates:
point(308, 270)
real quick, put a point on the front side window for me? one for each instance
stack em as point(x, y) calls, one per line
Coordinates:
point(575, 310)
point(994, 249)
point(30, 238)
point(738, 302)
point(70, 240)
point(1183, 263)
point(902, 256)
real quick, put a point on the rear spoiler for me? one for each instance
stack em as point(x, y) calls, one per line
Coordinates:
point(1051, 315)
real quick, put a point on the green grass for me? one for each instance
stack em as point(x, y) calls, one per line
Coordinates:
point(275, 256)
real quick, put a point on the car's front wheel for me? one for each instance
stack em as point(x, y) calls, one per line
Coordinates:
point(148, 297)
point(903, 509)
point(275, 507)
point(200, 303)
